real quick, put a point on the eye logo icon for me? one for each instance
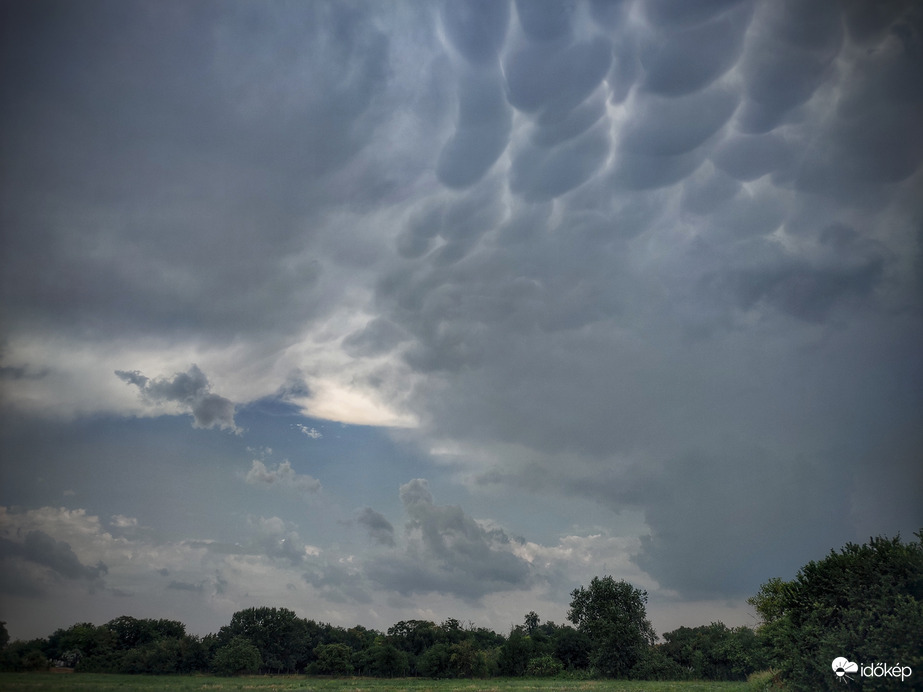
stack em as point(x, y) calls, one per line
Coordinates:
point(841, 666)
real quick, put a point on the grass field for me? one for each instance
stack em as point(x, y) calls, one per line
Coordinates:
point(88, 682)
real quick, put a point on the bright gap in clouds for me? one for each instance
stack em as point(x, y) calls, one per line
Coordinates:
point(381, 311)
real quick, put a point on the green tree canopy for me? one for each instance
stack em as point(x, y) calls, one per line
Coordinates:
point(864, 603)
point(237, 657)
point(613, 616)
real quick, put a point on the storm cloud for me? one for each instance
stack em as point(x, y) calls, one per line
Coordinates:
point(640, 277)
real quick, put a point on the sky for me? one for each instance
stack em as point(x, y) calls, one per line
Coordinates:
point(387, 310)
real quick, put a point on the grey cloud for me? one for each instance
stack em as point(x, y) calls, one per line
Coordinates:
point(540, 173)
point(577, 121)
point(552, 82)
point(787, 60)
point(338, 583)
point(379, 528)
point(175, 117)
point(186, 586)
point(546, 21)
point(278, 539)
point(748, 157)
point(58, 556)
point(476, 28)
point(190, 389)
point(453, 555)
point(845, 268)
point(717, 45)
point(707, 190)
point(704, 554)
point(482, 129)
point(677, 13)
point(673, 126)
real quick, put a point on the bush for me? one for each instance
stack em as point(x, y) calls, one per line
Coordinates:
point(765, 681)
point(544, 666)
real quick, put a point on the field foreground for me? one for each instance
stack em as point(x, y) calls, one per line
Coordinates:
point(48, 682)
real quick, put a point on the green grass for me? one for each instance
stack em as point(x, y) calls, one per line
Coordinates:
point(88, 682)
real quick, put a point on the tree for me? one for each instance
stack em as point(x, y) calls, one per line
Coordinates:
point(515, 653)
point(864, 603)
point(715, 651)
point(237, 657)
point(333, 659)
point(279, 635)
point(613, 616)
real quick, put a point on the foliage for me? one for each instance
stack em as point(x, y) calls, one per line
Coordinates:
point(613, 615)
point(715, 652)
point(543, 666)
point(865, 603)
point(333, 659)
point(435, 662)
point(280, 636)
point(765, 681)
point(200, 683)
point(238, 657)
point(655, 664)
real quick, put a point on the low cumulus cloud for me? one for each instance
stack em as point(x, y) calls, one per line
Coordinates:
point(191, 391)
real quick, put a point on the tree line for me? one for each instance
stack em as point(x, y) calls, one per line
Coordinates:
point(863, 602)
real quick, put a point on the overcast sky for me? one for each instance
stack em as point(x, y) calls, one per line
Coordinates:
point(384, 310)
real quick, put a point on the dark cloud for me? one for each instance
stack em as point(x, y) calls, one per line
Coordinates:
point(659, 256)
point(482, 129)
point(717, 45)
point(844, 268)
point(58, 556)
point(186, 586)
point(749, 157)
point(191, 390)
point(546, 21)
point(552, 82)
point(676, 13)
point(788, 60)
point(338, 583)
point(673, 126)
point(476, 28)
point(379, 528)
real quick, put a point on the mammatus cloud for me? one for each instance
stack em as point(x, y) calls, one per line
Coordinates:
point(660, 259)
point(191, 391)
point(282, 477)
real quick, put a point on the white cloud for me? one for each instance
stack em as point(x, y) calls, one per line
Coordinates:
point(283, 476)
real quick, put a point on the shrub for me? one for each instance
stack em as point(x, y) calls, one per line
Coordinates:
point(544, 666)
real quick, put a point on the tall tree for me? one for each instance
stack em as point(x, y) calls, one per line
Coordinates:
point(613, 615)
